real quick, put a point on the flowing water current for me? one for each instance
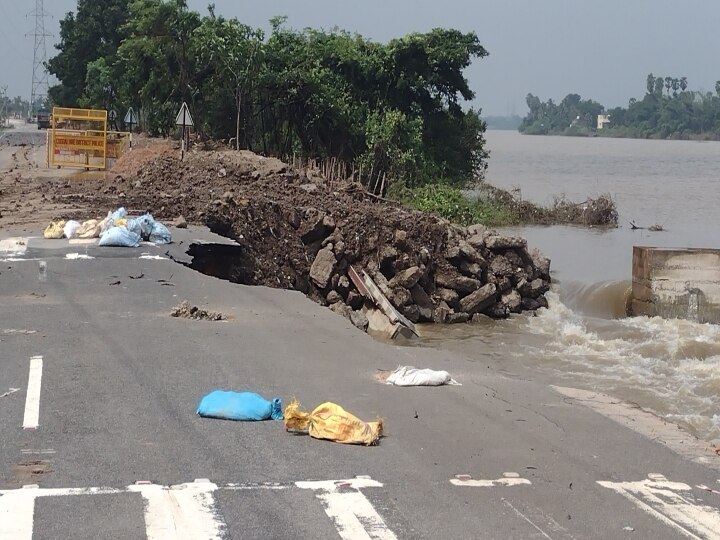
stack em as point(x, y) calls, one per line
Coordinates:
point(584, 339)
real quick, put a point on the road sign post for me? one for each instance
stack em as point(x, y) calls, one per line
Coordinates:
point(185, 120)
point(130, 120)
point(112, 118)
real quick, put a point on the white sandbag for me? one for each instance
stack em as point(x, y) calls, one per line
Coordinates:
point(70, 228)
point(411, 376)
point(107, 223)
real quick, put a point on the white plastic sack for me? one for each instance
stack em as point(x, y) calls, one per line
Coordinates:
point(119, 236)
point(71, 228)
point(106, 223)
point(411, 376)
point(89, 229)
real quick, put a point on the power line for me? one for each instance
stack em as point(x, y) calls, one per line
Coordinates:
point(40, 75)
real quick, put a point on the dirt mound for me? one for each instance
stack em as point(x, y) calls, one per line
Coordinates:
point(144, 149)
point(298, 231)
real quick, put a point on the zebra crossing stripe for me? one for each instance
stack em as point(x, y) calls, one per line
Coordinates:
point(16, 515)
point(188, 511)
point(182, 512)
point(353, 515)
point(671, 503)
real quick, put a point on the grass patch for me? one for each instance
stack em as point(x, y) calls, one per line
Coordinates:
point(497, 208)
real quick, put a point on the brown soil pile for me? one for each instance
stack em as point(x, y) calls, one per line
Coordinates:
point(144, 149)
point(298, 231)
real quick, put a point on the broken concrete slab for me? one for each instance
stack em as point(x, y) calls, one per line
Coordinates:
point(323, 267)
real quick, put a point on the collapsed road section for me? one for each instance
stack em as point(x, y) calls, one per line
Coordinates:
point(296, 230)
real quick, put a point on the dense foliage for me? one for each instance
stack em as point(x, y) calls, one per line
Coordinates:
point(572, 115)
point(393, 108)
point(667, 110)
point(15, 107)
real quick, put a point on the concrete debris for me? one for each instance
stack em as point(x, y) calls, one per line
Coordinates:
point(180, 223)
point(323, 267)
point(187, 311)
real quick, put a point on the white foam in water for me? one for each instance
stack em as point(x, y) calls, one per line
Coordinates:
point(669, 366)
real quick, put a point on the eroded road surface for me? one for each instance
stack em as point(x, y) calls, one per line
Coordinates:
point(99, 387)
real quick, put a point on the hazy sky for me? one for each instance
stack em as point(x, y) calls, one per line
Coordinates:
point(598, 49)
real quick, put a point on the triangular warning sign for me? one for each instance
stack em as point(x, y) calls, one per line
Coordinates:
point(130, 117)
point(183, 117)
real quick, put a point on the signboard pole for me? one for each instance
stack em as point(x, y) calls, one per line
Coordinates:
point(130, 120)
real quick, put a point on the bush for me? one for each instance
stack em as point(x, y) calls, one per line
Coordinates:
point(450, 203)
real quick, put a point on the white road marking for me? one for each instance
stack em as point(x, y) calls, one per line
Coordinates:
point(153, 257)
point(16, 515)
point(82, 241)
point(508, 479)
point(188, 512)
point(32, 399)
point(353, 515)
point(536, 517)
point(671, 503)
point(75, 256)
point(183, 512)
point(523, 516)
point(15, 245)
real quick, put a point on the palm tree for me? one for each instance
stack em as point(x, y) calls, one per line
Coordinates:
point(668, 84)
point(650, 83)
point(717, 88)
point(683, 83)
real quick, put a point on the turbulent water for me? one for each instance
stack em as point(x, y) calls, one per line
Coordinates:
point(584, 339)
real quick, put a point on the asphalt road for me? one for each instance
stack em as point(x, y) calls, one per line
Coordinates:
point(121, 381)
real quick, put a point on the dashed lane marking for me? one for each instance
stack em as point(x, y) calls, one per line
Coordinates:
point(508, 479)
point(32, 399)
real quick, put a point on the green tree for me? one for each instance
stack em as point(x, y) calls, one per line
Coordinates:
point(94, 31)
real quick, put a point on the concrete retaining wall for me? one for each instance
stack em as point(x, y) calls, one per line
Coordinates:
point(676, 283)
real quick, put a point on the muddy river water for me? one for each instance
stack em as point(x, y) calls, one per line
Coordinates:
point(584, 339)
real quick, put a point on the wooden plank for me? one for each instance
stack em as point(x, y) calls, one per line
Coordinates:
point(384, 304)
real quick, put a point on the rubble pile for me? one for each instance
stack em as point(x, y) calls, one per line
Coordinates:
point(298, 231)
point(185, 310)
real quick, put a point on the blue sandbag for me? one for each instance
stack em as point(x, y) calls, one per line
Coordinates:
point(119, 236)
point(146, 223)
point(243, 406)
point(134, 226)
point(160, 234)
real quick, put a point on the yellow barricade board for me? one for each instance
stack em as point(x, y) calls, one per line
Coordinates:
point(78, 138)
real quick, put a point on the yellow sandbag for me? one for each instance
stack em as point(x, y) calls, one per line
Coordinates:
point(122, 222)
point(55, 230)
point(332, 422)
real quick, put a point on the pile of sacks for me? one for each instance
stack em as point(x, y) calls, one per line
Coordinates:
point(117, 229)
